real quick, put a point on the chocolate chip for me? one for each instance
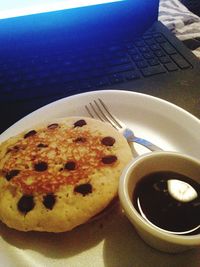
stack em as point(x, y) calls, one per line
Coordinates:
point(53, 126)
point(9, 175)
point(83, 189)
point(80, 140)
point(49, 201)
point(42, 145)
point(109, 159)
point(70, 165)
point(26, 203)
point(80, 123)
point(108, 141)
point(31, 133)
point(41, 166)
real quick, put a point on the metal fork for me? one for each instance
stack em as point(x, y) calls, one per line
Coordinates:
point(98, 109)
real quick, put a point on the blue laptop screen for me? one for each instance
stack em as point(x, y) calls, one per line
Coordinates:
point(16, 8)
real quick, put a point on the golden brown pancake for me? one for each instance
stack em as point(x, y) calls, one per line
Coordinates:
point(58, 175)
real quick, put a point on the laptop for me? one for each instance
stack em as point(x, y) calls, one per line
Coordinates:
point(57, 48)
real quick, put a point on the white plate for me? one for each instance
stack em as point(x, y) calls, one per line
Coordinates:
point(110, 241)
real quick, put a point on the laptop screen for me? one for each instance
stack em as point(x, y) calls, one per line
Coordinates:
point(77, 21)
point(16, 8)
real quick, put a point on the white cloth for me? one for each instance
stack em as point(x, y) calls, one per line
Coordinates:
point(183, 23)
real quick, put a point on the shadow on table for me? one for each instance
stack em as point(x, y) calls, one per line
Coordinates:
point(55, 245)
point(124, 248)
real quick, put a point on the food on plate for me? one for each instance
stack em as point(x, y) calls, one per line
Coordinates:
point(58, 175)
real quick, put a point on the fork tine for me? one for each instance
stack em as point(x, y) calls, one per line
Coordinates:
point(101, 111)
point(106, 118)
point(97, 114)
point(114, 119)
point(88, 110)
point(94, 112)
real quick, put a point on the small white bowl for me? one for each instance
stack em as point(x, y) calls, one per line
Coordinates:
point(140, 167)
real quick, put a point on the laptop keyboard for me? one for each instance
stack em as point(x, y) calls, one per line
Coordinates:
point(65, 72)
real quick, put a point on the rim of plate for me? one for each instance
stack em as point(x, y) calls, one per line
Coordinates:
point(139, 95)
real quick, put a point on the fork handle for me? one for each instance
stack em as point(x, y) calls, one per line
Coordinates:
point(145, 143)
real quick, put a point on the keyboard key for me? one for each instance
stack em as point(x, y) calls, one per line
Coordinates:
point(148, 55)
point(180, 61)
point(101, 82)
point(144, 49)
point(160, 39)
point(108, 56)
point(130, 45)
point(150, 41)
point(141, 64)
point(121, 54)
point(153, 62)
point(133, 51)
point(118, 61)
point(155, 47)
point(131, 75)
point(85, 85)
point(153, 70)
point(120, 68)
point(116, 78)
point(139, 43)
point(171, 66)
point(165, 59)
point(116, 48)
point(137, 57)
point(168, 48)
point(159, 53)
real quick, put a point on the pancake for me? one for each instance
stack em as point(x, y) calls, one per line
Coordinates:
point(56, 176)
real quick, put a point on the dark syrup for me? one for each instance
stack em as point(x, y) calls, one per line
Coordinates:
point(170, 201)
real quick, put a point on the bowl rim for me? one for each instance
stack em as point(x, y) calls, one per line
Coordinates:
point(127, 205)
